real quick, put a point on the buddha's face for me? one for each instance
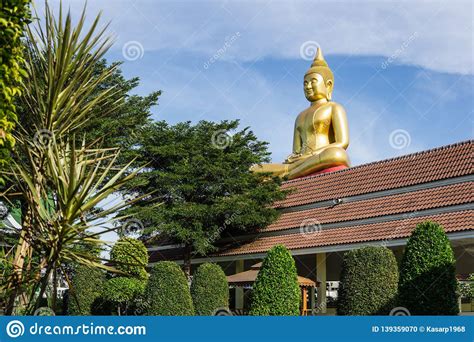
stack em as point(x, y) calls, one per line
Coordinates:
point(315, 88)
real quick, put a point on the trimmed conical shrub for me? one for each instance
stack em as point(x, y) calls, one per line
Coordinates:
point(86, 287)
point(369, 281)
point(130, 255)
point(167, 291)
point(428, 283)
point(209, 289)
point(276, 291)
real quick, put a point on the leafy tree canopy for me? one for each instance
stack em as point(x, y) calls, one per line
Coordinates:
point(14, 14)
point(119, 128)
point(202, 183)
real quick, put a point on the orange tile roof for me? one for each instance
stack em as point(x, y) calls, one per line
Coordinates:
point(427, 166)
point(424, 167)
point(452, 222)
point(387, 205)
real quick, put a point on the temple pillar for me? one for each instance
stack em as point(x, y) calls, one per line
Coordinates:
point(239, 291)
point(321, 277)
point(311, 299)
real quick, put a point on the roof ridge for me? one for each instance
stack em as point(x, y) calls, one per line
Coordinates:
point(377, 162)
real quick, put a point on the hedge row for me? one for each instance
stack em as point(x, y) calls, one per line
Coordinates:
point(425, 284)
point(370, 282)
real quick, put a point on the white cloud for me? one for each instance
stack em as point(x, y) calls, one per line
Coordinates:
point(437, 35)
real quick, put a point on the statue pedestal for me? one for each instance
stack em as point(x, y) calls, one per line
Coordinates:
point(329, 169)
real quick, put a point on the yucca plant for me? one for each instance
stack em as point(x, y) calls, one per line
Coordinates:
point(59, 183)
point(77, 180)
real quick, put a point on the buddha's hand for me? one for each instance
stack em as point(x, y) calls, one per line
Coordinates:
point(292, 158)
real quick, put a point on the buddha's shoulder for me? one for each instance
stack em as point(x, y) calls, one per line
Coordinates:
point(304, 112)
point(334, 105)
point(329, 107)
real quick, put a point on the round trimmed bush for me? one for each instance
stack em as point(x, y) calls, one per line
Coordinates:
point(168, 292)
point(122, 289)
point(369, 280)
point(87, 285)
point(428, 284)
point(276, 291)
point(130, 256)
point(121, 292)
point(209, 289)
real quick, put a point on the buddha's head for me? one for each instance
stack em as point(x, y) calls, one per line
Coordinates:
point(318, 80)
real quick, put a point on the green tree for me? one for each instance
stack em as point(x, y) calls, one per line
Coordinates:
point(209, 289)
point(276, 291)
point(428, 284)
point(61, 181)
point(14, 15)
point(167, 291)
point(86, 287)
point(123, 128)
point(201, 175)
point(122, 291)
point(369, 281)
point(120, 128)
point(129, 256)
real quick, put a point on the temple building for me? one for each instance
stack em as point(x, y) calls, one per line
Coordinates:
point(334, 207)
point(378, 203)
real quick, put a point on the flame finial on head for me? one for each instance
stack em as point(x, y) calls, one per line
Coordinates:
point(319, 59)
point(320, 66)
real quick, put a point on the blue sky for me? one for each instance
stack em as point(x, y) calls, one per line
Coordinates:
point(403, 70)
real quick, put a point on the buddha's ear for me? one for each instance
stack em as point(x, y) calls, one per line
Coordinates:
point(329, 86)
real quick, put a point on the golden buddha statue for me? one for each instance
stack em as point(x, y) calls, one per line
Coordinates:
point(321, 133)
